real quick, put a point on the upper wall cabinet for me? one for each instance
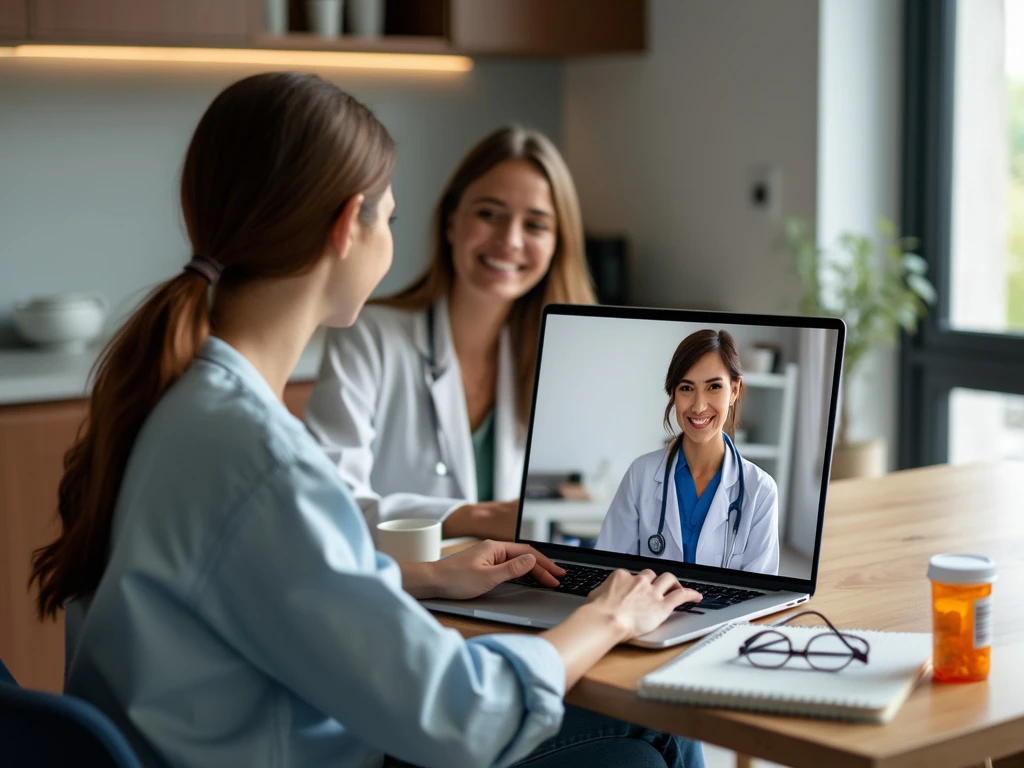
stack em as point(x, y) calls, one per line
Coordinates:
point(167, 22)
point(499, 27)
point(13, 18)
point(547, 27)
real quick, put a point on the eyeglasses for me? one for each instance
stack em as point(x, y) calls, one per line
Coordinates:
point(828, 652)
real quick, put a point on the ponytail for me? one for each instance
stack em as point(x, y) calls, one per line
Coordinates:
point(141, 362)
point(272, 161)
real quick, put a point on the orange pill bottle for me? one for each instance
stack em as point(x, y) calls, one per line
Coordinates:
point(961, 616)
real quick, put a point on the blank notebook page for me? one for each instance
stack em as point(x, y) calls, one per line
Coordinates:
point(713, 674)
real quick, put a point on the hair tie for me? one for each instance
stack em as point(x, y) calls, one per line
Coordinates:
point(205, 266)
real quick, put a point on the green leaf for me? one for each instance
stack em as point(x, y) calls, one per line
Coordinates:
point(922, 287)
point(911, 262)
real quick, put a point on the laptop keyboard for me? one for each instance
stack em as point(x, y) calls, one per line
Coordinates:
point(581, 581)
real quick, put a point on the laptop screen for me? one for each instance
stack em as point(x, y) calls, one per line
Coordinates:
point(692, 437)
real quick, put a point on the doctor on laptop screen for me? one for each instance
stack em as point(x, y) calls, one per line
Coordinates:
point(686, 440)
point(697, 500)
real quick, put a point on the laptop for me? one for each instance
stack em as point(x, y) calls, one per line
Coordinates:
point(601, 414)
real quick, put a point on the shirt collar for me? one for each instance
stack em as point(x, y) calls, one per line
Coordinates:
point(728, 472)
point(221, 354)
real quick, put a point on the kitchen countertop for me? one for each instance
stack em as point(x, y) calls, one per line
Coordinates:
point(30, 375)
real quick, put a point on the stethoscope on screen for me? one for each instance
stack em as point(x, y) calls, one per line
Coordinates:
point(656, 543)
point(441, 469)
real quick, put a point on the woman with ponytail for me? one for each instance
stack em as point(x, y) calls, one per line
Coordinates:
point(230, 607)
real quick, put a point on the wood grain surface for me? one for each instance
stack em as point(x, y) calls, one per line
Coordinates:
point(879, 534)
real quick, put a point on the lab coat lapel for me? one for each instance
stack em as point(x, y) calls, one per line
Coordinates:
point(508, 459)
point(450, 404)
point(673, 530)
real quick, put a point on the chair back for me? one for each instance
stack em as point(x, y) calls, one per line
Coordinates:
point(46, 730)
point(5, 675)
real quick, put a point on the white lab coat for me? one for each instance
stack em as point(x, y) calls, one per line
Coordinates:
point(635, 511)
point(373, 411)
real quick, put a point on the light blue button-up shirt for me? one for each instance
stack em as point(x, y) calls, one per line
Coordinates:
point(245, 619)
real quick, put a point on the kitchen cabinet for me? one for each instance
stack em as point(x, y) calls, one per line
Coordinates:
point(543, 27)
point(503, 27)
point(33, 440)
point(475, 27)
point(13, 19)
point(161, 22)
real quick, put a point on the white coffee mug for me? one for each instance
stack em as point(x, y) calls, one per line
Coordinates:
point(410, 541)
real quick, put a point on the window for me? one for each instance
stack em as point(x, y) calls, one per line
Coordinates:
point(985, 426)
point(963, 195)
point(987, 253)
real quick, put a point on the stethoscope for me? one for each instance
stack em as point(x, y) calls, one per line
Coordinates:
point(656, 543)
point(441, 467)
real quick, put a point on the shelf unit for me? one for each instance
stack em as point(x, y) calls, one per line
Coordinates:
point(770, 402)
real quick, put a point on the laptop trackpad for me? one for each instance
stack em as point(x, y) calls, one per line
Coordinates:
point(528, 606)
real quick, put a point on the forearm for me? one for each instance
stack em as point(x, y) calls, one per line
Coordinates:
point(584, 638)
point(464, 520)
point(419, 579)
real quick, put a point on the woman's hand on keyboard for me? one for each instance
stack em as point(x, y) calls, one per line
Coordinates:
point(474, 571)
point(621, 608)
point(642, 602)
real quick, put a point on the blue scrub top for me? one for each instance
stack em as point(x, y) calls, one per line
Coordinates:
point(692, 510)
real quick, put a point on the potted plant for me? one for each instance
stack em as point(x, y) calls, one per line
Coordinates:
point(877, 288)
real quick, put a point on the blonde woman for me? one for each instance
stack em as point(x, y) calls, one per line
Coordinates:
point(423, 404)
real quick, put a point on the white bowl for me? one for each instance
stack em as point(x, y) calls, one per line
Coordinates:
point(64, 323)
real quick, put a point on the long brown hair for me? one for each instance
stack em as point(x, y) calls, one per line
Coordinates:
point(272, 162)
point(690, 350)
point(567, 280)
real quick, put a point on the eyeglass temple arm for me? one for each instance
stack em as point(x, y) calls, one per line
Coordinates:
point(857, 654)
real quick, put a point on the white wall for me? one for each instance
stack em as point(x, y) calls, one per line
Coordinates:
point(90, 156)
point(858, 164)
point(662, 146)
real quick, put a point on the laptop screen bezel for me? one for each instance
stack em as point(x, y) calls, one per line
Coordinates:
point(692, 571)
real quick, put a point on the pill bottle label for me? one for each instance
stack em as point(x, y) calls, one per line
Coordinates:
point(983, 622)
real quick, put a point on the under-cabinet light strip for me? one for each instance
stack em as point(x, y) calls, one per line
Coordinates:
point(418, 62)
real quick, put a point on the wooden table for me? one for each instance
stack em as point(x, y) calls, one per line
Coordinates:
point(879, 534)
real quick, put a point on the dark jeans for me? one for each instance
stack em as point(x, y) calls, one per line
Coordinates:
point(590, 740)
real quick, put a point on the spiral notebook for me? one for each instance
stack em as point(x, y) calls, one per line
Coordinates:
point(712, 674)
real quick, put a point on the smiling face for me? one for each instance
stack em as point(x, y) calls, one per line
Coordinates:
point(504, 232)
point(703, 398)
